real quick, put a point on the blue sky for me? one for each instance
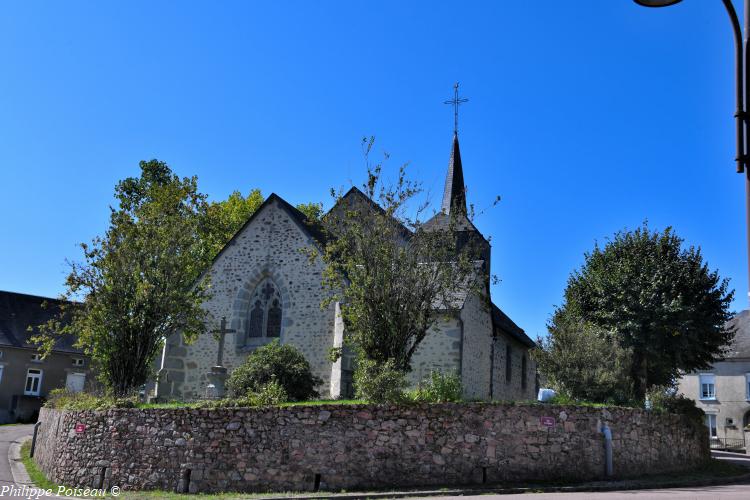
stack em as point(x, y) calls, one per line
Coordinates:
point(585, 116)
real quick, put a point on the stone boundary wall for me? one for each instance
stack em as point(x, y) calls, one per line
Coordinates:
point(356, 446)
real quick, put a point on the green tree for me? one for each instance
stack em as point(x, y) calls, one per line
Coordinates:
point(655, 299)
point(392, 275)
point(138, 282)
point(313, 211)
point(224, 218)
point(582, 362)
point(275, 363)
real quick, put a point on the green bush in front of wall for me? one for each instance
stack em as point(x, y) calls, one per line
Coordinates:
point(438, 388)
point(283, 364)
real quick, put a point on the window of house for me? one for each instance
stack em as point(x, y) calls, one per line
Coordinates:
point(711, 424)
point(508, 363)
point(264, 317)
point(523, 371)
point(707, 386)
point(77, 361)
point(33, 382)
point(1, 372)
point(36, 358)
point(747, 386)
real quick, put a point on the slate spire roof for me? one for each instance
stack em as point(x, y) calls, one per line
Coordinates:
point(453, 206)
point(454, 195)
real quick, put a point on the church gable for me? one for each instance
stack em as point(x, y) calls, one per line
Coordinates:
point(310, 229)
point(265, 286)
point(355, 201)
point(264, 272)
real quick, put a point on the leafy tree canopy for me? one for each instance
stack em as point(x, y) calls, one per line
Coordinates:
point(646, 295)
point(224, 218)
point(138, 282)
point(581, 362)
point(313, 211)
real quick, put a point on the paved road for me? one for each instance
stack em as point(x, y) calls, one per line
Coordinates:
point(736, 491)
point(732, 492)
point(735, 458)
point(9, 434)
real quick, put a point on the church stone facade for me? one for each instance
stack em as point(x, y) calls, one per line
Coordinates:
point(267, 288)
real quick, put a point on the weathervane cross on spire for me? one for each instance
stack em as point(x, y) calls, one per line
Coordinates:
point(456, 101)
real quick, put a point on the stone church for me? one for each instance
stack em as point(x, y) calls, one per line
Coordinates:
point(266, 288)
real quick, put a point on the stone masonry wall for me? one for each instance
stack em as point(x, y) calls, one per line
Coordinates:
point(440, 351)
point(512, 388)
point(336, 447)
point(269, 247)
point(476, 369)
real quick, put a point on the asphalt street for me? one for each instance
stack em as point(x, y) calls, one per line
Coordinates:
point(8, 435)
point(706, 493)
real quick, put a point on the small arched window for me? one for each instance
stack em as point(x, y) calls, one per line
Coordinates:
point(264, 316)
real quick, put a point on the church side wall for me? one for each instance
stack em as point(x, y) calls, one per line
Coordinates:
point(509, 385)
point(476, 362)
point(269, 247)
point(440, 351)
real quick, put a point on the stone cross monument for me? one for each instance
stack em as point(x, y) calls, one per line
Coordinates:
point(218, 375)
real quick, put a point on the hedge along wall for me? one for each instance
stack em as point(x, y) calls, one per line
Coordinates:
point(356, 446)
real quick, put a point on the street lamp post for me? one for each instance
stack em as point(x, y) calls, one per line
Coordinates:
point(742, 62)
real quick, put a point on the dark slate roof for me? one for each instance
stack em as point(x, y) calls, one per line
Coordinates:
point(502, 322)
point(453, 208)
point(454, 194)
point(18, 311)
point(740, 345)
point(442, 220)
point(355, 195)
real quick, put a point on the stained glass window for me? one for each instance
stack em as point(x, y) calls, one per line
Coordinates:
point(264, 316)
point(255, 327)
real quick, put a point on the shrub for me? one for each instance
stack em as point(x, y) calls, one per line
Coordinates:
point(439, 388)
point(271, 394)
point(281, 364)
point(379, 383)
point(580, 361)
point(566, 399)
point(668, 401)
point(211, 404)
point(63, 399)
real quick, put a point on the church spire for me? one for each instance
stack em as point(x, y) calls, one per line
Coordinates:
point(454, 195)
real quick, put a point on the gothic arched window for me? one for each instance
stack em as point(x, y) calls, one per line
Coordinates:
point(255, 326)
point(264, 316)
point(273, 325)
